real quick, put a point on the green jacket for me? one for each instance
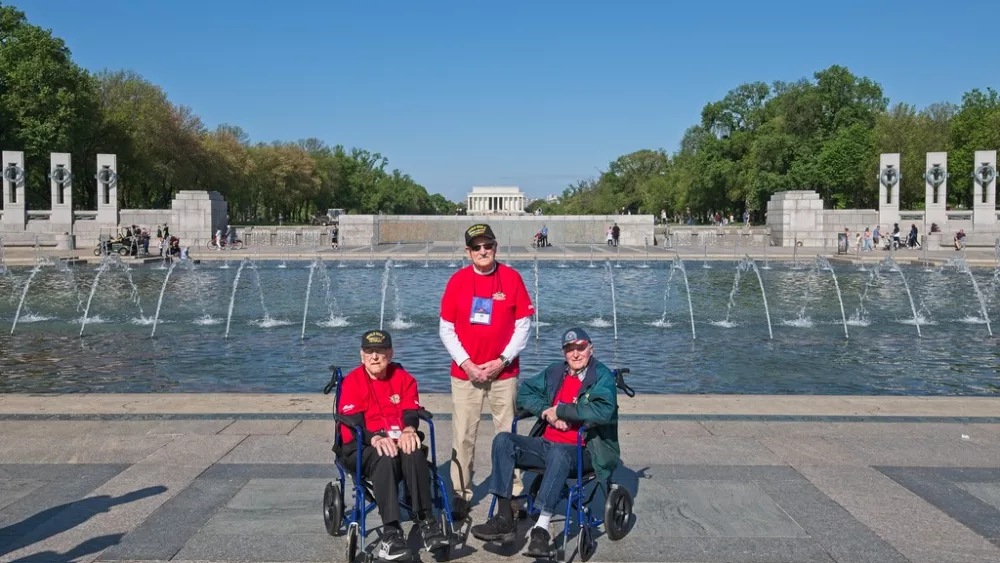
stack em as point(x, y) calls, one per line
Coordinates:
point(596, 407)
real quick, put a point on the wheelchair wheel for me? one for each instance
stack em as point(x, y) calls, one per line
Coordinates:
point(585, 544)
point(333, 509)
point(352, 542)
point(618, 513)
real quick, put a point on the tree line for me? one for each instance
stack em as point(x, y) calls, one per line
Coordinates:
point(50, 104)
point(823, 134)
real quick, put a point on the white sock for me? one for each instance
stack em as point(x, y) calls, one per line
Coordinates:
point(543, 520)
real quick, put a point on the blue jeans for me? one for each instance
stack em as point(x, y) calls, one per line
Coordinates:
point(553, 461)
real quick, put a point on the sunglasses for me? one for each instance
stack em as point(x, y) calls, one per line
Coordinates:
point(375, 351)
point(486, 245)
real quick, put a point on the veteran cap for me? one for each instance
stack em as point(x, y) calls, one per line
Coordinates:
point(376, 339)
point(479, 230)
point(575, 336)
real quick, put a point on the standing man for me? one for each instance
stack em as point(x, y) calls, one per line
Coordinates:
point(485, 323)
point(615, 233)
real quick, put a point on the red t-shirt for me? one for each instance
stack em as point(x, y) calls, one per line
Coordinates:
point(568, 392)
point(511, 302)
point(382, 400)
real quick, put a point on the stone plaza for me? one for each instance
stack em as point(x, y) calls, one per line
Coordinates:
point(174, 477)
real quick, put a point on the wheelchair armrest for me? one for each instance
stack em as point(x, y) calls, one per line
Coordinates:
point(522, 413)
point(424, 414)
point(342, 420)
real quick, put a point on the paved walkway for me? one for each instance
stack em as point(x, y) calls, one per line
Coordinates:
point(233, 477)
point(438, 252)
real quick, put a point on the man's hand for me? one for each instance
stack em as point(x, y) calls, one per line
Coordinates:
point(385, 446)
point(474, 372)
point(492, 368)
point(409, 442)
point(549, 415)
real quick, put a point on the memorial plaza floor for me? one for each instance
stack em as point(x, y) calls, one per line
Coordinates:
point(729, 478)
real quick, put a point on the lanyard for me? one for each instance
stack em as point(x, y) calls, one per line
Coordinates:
point(374, 397)
point(495, 282)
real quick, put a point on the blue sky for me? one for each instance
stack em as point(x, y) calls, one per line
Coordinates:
point(537, 94)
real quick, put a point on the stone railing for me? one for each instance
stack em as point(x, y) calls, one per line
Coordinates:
point(284, 236)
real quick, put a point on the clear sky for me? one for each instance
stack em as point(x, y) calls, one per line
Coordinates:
point(534, 93)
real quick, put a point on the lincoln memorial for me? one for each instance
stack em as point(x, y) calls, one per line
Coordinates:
point(506, 200)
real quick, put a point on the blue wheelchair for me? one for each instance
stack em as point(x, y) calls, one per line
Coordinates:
point(336, 518)
point(617, 514)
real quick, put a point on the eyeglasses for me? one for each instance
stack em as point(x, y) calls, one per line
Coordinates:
point(486, 245)
point(375, 351)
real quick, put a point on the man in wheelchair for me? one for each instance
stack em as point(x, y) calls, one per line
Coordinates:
point(566, 395)
point(381, 398)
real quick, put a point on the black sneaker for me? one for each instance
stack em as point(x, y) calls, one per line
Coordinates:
point(430, 533)
point(538, 543)
point(497, 529)
point(459, 509)
point(393, 547)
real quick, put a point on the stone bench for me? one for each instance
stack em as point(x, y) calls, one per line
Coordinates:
point(945, 241)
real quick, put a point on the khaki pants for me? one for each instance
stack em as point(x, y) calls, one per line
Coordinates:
point(467, 405)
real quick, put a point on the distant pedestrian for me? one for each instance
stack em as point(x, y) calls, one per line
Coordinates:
point(615, 233)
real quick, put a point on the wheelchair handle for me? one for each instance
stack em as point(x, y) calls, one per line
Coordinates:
point(333, 380)
point(425, 414)
point(620, 381)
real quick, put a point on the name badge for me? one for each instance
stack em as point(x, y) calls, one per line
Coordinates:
point(482, 311)
point(395, 433)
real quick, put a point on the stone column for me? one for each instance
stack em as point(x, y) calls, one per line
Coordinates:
point(61, 186)
point(107, 191)
point(15, 210)
point(984, 194)
point(889, 176)
point(936, 189)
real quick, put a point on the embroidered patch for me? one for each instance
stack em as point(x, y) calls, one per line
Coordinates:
point(394, 399)
point(499, 296)
point(346, 408)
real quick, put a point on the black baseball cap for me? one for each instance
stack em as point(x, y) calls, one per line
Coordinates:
point(479, 230)
point(575, 336)
point(378, 339)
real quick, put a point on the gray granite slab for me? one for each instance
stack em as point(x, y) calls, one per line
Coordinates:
point(309, 546)
point(829, 524)
point(727, 550)
point(281, 449)
point(986, 492)
point(80, 448)
point(166, 531)
point(62, 486)
point(701, 508)
point(945, 493)
point(276, 427)
point(271, 471)
point(279, 494)
point(12, 490)
point(268, 521)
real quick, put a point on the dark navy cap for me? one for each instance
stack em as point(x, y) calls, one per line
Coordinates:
point(479, 230)
point(376, 339)
point(575, 336)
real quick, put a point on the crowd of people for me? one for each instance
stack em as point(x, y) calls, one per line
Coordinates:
point(484, 324)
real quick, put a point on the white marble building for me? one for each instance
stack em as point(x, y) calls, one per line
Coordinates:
point(496, 200)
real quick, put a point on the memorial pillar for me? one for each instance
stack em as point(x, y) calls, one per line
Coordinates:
point(61, 188)
point(107, 191)
point(889, 176)
point(15, 210)
point(936, 189)
point(984, 186)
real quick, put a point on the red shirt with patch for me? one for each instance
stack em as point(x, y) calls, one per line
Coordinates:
point(382, 400)
point(568, 392)
point(511, 302)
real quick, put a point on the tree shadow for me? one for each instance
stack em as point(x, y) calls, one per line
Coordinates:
point(58, 519)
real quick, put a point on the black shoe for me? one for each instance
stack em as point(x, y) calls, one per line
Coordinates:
point(497, 529)
point(430, 533)
point(459, 509)
point(538, 544)
point(393, 546)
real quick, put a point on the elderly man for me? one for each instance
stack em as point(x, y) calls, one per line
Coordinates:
point(381, 398)
point(566, 395)
point(485, 322)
